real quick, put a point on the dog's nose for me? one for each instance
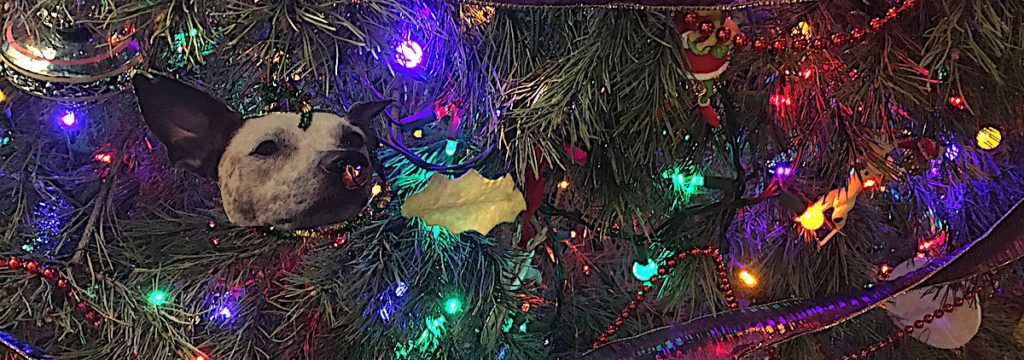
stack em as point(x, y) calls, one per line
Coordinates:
point(338, 162)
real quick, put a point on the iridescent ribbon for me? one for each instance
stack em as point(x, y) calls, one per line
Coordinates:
point(660, 5)
point(735, 333)
point(24, 350)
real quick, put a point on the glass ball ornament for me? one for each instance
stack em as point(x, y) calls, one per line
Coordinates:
point(66, 62)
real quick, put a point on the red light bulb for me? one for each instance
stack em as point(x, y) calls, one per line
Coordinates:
point(958, 102)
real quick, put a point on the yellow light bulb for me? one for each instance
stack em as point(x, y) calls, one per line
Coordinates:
point(3, 96)
point(804, 29)
point(418, 133)
point(989, 138)
point(564, 184)
point(376, 190)
point(747, 278)
point(812, 218)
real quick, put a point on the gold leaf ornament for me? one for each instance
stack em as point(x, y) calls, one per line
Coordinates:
point(470, 202)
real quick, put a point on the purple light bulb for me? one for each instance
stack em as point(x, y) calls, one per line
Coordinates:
point(409, 54)
point(783, 170)
point(68, 119)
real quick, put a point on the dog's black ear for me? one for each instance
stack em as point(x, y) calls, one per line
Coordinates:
point(362, 114)
point(194, 126)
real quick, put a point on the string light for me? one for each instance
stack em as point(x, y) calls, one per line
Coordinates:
point(958, 102)
point(453, 305)
point(409, 54)
point(926, 245)
point(747, 278)
point(450, 147)
point(104, 157)
point(678, 180)
point(68, 119)
point(418, 133)
point(389, 302)
point(563, 185)
point(3, 97)
point(780, 100)
point(807, 73)
point(884, 270)
point(683, 183)
point(782, 170)
point(157, 297)
point(223, 304)
point(952, 152)
point(804, 29)
point(870, 183)
point(200, 357)
point(989, 138)
point(813, 218)
point(645, 272)
point(376, 190)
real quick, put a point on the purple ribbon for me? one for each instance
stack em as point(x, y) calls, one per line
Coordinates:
point(637, 4)
point(735, 333)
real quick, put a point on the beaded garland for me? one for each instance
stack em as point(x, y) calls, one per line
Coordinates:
point(33, 267)
point(641, 293)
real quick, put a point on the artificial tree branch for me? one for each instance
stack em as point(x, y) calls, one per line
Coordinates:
point(101, 201)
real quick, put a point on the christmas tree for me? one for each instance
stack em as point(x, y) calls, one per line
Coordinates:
point(511, 179)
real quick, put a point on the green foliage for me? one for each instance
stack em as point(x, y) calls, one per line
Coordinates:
point(611, 82)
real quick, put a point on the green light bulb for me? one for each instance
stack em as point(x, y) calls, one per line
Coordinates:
point(697, 180)
point(450, 147)
point(157, 297)
point(644, 272)
point(453, 305)
point(679, 180)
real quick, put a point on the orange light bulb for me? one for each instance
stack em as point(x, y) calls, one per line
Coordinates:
point(747, 278)
point(813, 218)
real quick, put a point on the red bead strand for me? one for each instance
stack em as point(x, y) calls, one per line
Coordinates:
point(643, 291)
point(779, 43)
point(32, 267)
point(919, 324)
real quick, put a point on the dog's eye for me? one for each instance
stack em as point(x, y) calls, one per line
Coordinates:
point(351, 140)
point(265, 148)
